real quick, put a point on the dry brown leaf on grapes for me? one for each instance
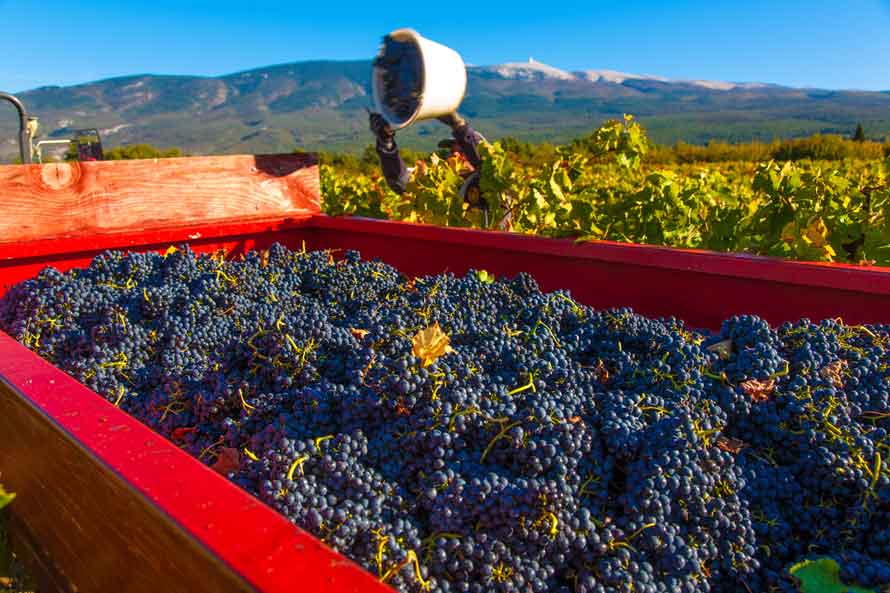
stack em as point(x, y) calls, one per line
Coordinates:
point(730, 444)
point(601, 372)
point(723, 349)
point(358, 334)
point(834, 373)
point(228, 461)
point(759, 391)
point(431, 343)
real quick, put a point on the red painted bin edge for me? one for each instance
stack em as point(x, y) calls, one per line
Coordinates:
point(839, 276)
point(168, 236)
point(267, 550)
point(866, 279)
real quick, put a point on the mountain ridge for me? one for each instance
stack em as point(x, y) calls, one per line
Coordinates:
point(320, 104)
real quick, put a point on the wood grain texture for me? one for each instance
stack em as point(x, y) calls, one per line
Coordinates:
point(42, 572)
point(82, 199)
point(83, 526)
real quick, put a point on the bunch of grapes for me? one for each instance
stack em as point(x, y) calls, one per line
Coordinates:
point(533, 444)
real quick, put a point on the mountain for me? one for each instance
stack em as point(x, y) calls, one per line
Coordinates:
point(321, 105)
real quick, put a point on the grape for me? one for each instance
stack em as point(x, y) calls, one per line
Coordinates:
point(550, 448)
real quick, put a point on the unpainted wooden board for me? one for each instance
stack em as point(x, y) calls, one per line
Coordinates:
point(80, 199)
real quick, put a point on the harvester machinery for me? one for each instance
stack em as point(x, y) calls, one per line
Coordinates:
point(87, 142)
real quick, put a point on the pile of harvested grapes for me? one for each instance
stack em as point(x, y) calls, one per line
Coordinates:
point(475, 434)
point(401, 67)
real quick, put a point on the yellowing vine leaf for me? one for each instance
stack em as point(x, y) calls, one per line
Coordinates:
point(485, 276)
point(5, 497)
point(817, 232)
point(431, 343)
point(789, 233)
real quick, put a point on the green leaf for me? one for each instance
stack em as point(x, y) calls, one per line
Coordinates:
point(5, 497)
point(556, 190)
point(822, 576)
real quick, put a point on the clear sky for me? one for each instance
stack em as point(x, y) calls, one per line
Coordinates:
point(829, 44)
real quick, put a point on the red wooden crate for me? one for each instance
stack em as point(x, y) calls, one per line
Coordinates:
point(107, 505)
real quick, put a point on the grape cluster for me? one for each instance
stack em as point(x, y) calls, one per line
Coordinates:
point(550, 447)
point(401, 67)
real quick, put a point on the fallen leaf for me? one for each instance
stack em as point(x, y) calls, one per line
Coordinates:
point(431, 343)
point(575, 419)
point(730, 444)
point(759, 391)
point(228, 461)
point(834, 373)
point(601, 372)
point(358, 334)
point(723, 349)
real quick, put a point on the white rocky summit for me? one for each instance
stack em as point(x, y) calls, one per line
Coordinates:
point(534, 70)
point(530, 70)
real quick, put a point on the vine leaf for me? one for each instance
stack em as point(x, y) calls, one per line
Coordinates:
point(431, 343)
point(759, 391)
point(5, 497)
point(358, 334)
point(723, 349)
point(822, 575)
point(485, 277)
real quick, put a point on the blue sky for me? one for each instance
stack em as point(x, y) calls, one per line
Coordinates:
point(839, 44)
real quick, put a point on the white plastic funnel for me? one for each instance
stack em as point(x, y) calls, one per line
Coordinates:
point(444, 81)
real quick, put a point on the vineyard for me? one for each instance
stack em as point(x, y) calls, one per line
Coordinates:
point(603, 188)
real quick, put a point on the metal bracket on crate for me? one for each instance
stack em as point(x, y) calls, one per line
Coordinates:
point(24, 133)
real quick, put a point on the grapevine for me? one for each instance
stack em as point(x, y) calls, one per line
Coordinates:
point(604, 190)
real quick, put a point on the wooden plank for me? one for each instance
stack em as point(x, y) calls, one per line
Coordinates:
point(94, 198)
point(42, 572)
